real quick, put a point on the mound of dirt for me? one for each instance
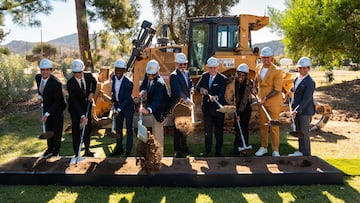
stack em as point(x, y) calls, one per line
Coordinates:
point(343, 98)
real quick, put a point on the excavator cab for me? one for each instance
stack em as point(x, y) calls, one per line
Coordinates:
point(227, 38)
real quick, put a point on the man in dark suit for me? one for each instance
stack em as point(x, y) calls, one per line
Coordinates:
point(181, 88)
point(81, 88)
point(51, 96)
point(303, 105)
point(212, 86)
point(124, 107)
point(157, 100)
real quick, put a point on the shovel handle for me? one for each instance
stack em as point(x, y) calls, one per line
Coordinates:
point(113, 121)
point(264, 109)
point(192, 109)
point(141, 106)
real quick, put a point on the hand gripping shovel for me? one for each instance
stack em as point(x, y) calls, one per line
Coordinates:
point(224, 109)
point(244, 149)
point(45, 134)
point(113, 133)
point(271, 122)
point(76, 159)
point(294, 132)
point(142, 131)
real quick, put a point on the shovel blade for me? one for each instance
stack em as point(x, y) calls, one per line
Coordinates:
point(76, 160)
point(46, 135)
point(142, 132)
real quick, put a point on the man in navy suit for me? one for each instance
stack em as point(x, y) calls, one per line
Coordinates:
point(153, 87)
point(181, 88)
point(81, 88)
point(51, 96)
point(124, 107)
point(212, 86)
point(303, 105)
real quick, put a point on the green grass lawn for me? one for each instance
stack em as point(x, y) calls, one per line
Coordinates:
point(18, 138)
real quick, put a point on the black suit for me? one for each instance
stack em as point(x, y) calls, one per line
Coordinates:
point(157, 97)
point(213, 118)
point(180, 89)
point(77, 102)
point(126, 103)
point(54, 103)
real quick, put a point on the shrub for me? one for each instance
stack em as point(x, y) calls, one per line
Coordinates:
point(15, 85)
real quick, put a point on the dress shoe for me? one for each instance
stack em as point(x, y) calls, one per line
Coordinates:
point(89, 153)
point(116, 152)
point(47, 154)
point(205, 154)
point(177, 154)
point(127, 154)
point(297, 153)
point(275, 153)
point(219, 154)
point(261, 151)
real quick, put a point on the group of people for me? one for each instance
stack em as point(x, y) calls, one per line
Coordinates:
point(267, 86)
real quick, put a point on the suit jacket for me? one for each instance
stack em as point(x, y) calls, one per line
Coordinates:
point(179, 88)
point(157, 97)
point(53, 98)
point(272, 81)
point(303, 96)
point(217, 88)
point(77, 100)
point(126, 102)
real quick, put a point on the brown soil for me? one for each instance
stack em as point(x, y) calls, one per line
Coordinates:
point(192, 165)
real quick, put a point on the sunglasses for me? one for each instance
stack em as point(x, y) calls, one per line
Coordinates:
point(241, 74)
point(76, 72)
point(182, 64)
point(150, 74)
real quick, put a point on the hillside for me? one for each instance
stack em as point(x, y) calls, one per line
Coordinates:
point(70, 42)
point(277, 46)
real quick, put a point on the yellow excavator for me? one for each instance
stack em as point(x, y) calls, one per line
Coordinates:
point(227, 38)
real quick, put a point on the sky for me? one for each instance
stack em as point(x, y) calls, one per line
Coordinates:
point(62, 21)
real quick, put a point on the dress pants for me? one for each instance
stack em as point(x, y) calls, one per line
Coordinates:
point(213, 121)
point(302, 123)
point(129, 130)
point(274, 112)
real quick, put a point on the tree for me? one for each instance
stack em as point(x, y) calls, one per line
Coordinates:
point(326, 30)
point(174, 13)
point(44, 48)
point(117, 15)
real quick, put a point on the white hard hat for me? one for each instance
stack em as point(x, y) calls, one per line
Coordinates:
point(266, 51)
point(120, 63)
point(304, 62)
point(243, 68)
point(45, 63)
point(180, 58)
point(77, 65)
point(152, 67)
point(212, 62)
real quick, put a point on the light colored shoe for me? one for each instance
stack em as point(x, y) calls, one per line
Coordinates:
point(297, 153)
point(261, 151)
point(275, 153)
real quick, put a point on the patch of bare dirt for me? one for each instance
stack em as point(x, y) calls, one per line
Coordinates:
point(343, 98)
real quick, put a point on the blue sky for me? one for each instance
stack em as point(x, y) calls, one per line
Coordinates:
point(62, 21)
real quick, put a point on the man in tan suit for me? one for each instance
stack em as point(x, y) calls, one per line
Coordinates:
point(268, 80)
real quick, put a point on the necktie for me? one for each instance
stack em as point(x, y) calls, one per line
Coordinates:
point(149, 86)
point(42, 86)
point(82, 85)
point(185, 78)
point(210, 81)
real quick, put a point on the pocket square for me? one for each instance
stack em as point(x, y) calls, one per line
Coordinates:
point(215, 84)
